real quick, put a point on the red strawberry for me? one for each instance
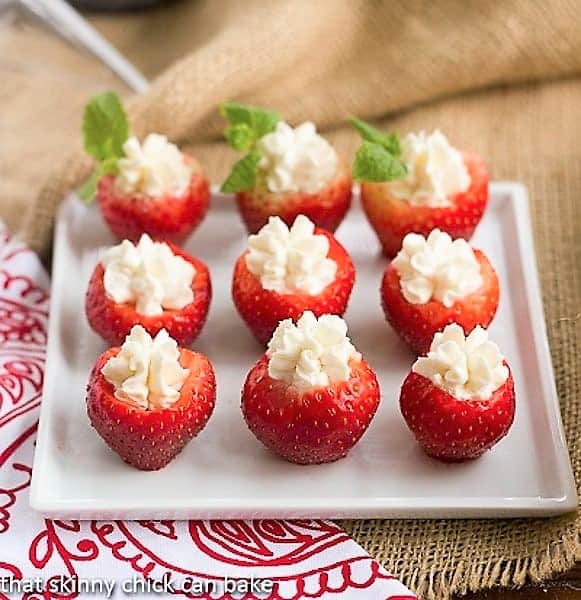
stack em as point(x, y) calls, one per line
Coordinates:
point(264, 309)
point(171, 218)
point(416, 324)
point(114, 321)
point(454, 430)
point(393, 218)
point(150, 439)
point(314, 426)
point(326, 208)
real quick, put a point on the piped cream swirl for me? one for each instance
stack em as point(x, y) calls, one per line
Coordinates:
point(146, 372)
point(147, 275)
point(465, 367)
point(311, 353)
point(154, 168)
point(296, 159)
point(291, 261)
point(437, 268)
point(436, 170)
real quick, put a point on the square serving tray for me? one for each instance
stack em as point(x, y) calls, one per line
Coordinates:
point(226, 473)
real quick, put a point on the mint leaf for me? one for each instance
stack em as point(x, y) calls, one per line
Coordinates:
point(240, 136)
point(88, 190)
point(105, 130)
point(373, 162)
point(255, 122)
point(105, 126)
point(390, 141)
point(243, 174)
point(378, 158)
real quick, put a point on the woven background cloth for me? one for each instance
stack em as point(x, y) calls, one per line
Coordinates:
point(501, 78)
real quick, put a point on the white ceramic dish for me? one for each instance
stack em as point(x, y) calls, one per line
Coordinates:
point(226, 473)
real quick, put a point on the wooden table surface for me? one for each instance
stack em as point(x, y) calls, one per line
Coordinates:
point(566, 587)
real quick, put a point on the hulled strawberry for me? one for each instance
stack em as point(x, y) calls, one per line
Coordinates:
point(153, 284)
point(286, 171)
point(459, 399)
point(148, 187)
point(326, 208)
point(285, 272)
point(436, 281)
point(149, 398)
point(171, 215)
point(417, 185)
point(312, 396)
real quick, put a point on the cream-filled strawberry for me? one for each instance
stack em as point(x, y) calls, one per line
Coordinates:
point(459, 399)
point(286, 171)
point(418, 183)
point(312, 395)
point(435, 281)
point(148, 398)
point(153, 284)
point(146, 186)
point(286, 271)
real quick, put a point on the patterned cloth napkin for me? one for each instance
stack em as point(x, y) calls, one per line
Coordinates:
point(42, 558)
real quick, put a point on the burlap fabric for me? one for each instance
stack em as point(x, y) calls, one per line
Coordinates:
point(499, 77)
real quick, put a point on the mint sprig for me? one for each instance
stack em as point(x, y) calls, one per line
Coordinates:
point(246, 125)
point(379, 156)
point(240, 136)
point(105, 130)
point(243, 174)
point(247, 122)
point(374, 163)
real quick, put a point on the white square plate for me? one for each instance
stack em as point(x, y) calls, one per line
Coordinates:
point(226, 473)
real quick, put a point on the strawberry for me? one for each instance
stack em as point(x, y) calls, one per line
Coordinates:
point(314, 426)
point(455, 430)
point(150, 438)
point(416, 324)
point(392, 218)
point(168, 218)
point(326, 208)
point(262, 309)
point(114, 321)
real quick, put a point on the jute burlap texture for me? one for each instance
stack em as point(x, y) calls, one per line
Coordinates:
point(500, 78)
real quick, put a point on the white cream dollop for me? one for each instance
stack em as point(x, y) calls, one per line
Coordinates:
point(148, 275)
point(465, 367)
point(290, 261)
point(146, 371)
point(436, 170)
point(296, 160)
point(436, 268)
point(154, 168)
point(313, 353)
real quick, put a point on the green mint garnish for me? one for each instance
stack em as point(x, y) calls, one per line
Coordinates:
point(247, 122)
point(243, 174)
point(240, 137)
point(246, 125)
point(105, 130)
point(374, 163)
point(378, 157)
point(390, 141)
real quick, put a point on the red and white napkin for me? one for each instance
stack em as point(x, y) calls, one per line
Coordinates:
point(42, 558)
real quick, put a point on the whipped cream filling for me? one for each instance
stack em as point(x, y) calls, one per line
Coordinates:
point(154, 168)
point(290, 261)
point(146, 371)
point(436, 268)
point(465, 367)
point(436, 170)
point(147, 275)
point(313, 353)
point(296, 160)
